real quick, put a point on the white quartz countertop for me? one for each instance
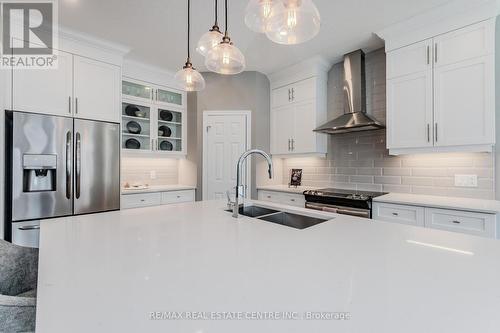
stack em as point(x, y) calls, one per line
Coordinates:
point(286, 189)
point(467, 204)
point(109, 272)
point(157, 188)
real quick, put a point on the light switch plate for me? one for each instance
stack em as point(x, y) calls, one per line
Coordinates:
point(466, 180)
point(152, 174)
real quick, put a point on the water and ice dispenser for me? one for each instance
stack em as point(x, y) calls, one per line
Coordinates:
point(39, 173)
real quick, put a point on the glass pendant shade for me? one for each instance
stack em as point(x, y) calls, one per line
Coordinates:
point(225, 58)
point(257, 14)
point(208, 41)
point(190, 79)
point(293, 22)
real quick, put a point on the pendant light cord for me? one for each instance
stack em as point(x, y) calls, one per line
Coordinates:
point(189, 29)
point(216, 13)
point(225, 33)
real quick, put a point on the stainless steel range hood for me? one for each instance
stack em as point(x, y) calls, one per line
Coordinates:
point(354, 118)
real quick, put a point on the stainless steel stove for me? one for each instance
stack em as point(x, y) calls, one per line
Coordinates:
point(348, 202)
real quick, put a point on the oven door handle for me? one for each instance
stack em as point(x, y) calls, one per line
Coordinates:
point(330, 210)
point(314, 206)
point(353, 213)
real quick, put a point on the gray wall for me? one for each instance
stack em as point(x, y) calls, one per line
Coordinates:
point(246, 91)
point(360, 161)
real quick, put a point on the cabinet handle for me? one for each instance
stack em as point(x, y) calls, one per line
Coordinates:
point(289, 145)
point(428, 133)
point(269, 197)
point(436, 132)
point(293, 200)
point(289, 95)
point(293, 144)
point(428, 55)
point(456, 222)
point(293, 94)
point(436, 53)
point(142, 200)
point(69, 104)
point(395, 214)
point(76, 105)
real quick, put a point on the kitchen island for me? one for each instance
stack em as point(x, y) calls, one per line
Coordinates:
point(193, 268)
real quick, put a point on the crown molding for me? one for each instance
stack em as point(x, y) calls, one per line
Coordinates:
point(149, 73)
point(447, 17)
point(315, 66)
point(92, 41)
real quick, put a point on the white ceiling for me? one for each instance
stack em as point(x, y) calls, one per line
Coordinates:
point(155, 30)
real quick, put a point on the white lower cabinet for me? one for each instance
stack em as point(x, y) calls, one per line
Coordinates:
point(411, 215)
point(177, 197)
point(156, 199)
point(141, 200)
point(478, 224)
point(473, 223)
point(290, 199)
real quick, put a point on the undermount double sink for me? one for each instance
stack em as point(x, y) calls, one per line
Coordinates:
point(284, 218)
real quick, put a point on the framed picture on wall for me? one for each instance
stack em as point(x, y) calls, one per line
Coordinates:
point(295, 177)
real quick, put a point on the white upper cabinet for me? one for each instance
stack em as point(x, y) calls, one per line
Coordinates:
point(409, 111)
point(96, 90)
point(282, 131)
point(153, 119)
point(441, 93)
point(79, 87)
point(48, 91)
point(464, 44)
point(302, 140)
point(464, 103)
point(409, 60)
point(298, 106)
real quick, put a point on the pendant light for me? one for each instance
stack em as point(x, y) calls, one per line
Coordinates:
point(211, 38)
point(293, 22)
point(188, 77)
point(257, 14)
point(225, 58)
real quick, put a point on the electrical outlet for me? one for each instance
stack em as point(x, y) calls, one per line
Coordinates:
point(466, 180)
point(152, 174)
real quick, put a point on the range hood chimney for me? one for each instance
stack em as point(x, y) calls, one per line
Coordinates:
point(354, 118)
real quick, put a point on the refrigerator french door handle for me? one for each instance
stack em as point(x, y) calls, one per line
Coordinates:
point(68, 164)
point(29, 227)
point(78, 164)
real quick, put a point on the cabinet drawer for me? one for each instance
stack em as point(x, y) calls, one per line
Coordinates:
point(297, 200)
point(478, 224)
point(140, 200)
point(269, 196)
point(410, 215)
point(177, 197)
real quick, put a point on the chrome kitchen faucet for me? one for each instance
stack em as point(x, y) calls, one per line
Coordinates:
point(235, 205)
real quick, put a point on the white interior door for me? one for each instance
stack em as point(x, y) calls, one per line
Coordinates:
point(225, 139)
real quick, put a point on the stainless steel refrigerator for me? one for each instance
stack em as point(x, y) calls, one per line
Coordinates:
point(57, 166)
